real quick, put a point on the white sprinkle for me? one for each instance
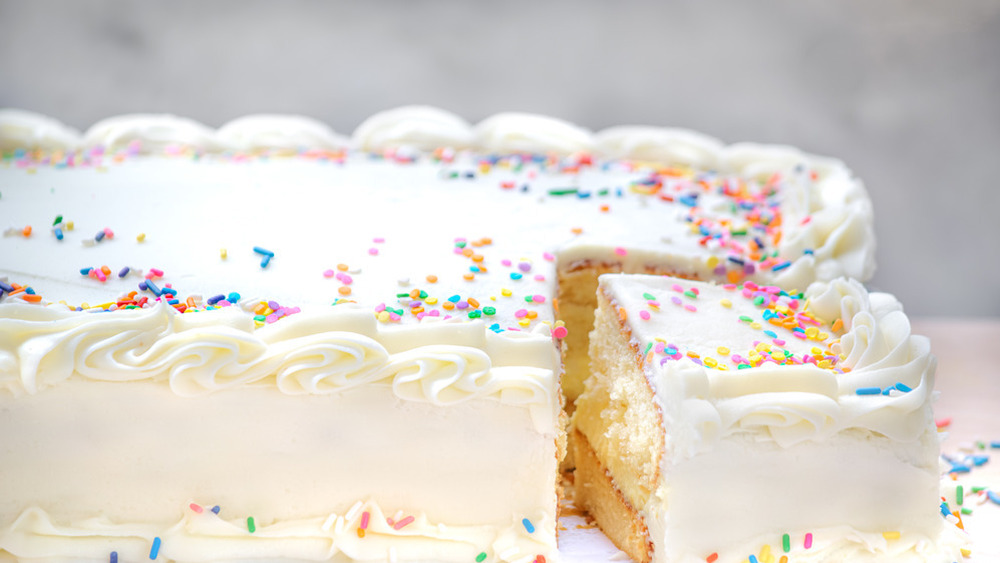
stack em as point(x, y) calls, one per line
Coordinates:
point(508, 553)
point(88, 242)
point(392, 555)
point(353, 511)
point(404, 281)
point(330, 520)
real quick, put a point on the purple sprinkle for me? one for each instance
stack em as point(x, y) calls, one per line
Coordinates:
point(524, 267)
point(5, 287)
point(215, 299)
point(676, 300)
point(100, 236)
point(123, 272)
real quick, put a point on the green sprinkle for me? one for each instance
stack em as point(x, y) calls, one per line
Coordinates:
point(978, 489)
point(57, 221)
point(649, 346)
point(959, 494)
point(966, 511)
point(529, 298)
point(423, 294)
point(563, 191)
point(690, 294)
point(759, 300)
point(402, 295)
point(648, 296)
point(481, 557)
point(743, 366)
point(461, 244)
point(251, 525)
point(786, 543)
point(746, 319)
point(475, 314)
point(489, 311)
point(603, 191)
point(259, 318)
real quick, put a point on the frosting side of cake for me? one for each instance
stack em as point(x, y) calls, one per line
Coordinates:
point(784, 415)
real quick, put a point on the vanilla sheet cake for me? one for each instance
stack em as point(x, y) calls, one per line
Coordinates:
point(272, 342)
point(743, 422)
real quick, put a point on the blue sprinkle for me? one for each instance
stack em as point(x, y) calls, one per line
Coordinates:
point(85, 271)
point(495, 327)
point(782, 266)
point(151, 287)
point(143, 286)
point(516, 275)
point(215, 299)
point(216, 509)
point(771, 333)
point(945, 511)
point(173, 302)
point(994, 445)
point(808, 252)
point(99, 236)
point(233, 297)
point(8, 289)
point(868, 391)
point(114, 557)
point(59, 236)
point(904, 388)
point(29, 291)
point(528, 526)
point(959, 468)
point(583, 194)
point(155, 550)
point(169, 291)
point(753, 559)
point(455, 298)
point(978, 460)
point(266, 260)
point(123, 272)
point(688, 200)
point(263, 251)
point(993, 496)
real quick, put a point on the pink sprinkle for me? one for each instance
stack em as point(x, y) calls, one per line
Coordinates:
point(521, 313)
point(538, 298)
point(695, 291)
point(560, 332)
point(548, 256)
point(677, 288)
point(380, 307)
point(506, 262)
point(457, 250)
point(778, 342)
point(329, 274)
point(156, 272)
point(196, 508)
point(435, 313)
point(644, 315)
point(378, 240)
point(540, 278)
point(943, 422)
point(348, 280)
point(402, 523)
point(691, 308)
point(653, 303)
point(394, 317)
point(364, 520)
point(108, 233)
point(620, 251)
point(809, 541)
point(373, 251)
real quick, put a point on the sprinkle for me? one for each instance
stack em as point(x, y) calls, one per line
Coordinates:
point(753, 559)
point(141, 237)
point(114, 557)
point(365, 516)
point(645, 315)
point(154, 551)
point(481, 557)
point(959, 495)
point(786, 543)
point(712, 558)
point(808, 543)
point(216, 509)
point(223, 253)
point(263, 251)
point(251, 525)
point(560, 332)
point(402, 523)
point(528, 525)
point(196, 507)
point(868, 391)
point(620, 251)
point(993, 497)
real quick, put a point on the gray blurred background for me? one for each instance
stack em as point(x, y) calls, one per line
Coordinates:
point(907, 92)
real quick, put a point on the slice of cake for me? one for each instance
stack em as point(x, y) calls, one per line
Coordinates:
point(723, 422)
point(348, 344)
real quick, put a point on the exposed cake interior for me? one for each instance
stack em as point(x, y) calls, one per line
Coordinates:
point(730, 418)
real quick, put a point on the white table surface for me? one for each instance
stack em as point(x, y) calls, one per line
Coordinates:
point(968, 379)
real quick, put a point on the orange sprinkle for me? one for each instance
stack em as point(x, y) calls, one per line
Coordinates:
point(605, 208)
point(837, 325)
point(477, 257)
point(32, 298)
point(106, 270)
point(469, 277)
point(190, 302)
point(733, 276)
point(342, 267)
point(17, 289)
point(344, 290)
point(432, 279)
point(417, 310)
point(576, 230)
point(532, 314)
point(26, 231)
point(361, 533)
point(473, 303)
point(415, 294)
point(467, 252)
point(622, 316)
point(448, 305)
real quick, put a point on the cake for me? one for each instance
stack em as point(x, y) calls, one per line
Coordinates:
point(270, 341)
point(724, 422)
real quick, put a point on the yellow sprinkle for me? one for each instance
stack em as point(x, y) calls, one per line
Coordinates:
point(141, 237)
point(84, 306)
point(812, 331)
point(722, 350)
point(726, 303)
point(822, 336)
point(816, 351)
point(966, 552)
point(383, 316)
point(560, 323)
point(524, 322)
point(712, 262)
point(710, 362)
point(763, 347)
point(506, 292)
point(431, 300)
point(69, 225)
point(755, 325)
point(825, 364)
point(223, 253)
point(890, 535)
point(723, 367)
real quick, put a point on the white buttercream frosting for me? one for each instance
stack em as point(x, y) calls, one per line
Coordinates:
point(151, 133)
point(420, 127)
point(660, 144)
point(531, 133)
point(278, 132)
point(21, 129)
